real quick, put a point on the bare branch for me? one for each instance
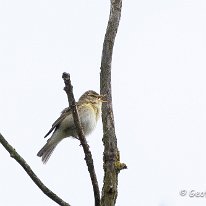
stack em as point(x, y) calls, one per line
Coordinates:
point(88, 155)
point(32, 175)
point(112, 164)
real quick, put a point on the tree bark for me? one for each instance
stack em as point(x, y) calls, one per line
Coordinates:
point(13, 153)
point(112, 164)
point(88, 155)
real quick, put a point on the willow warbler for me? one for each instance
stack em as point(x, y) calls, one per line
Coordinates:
point(89, 107)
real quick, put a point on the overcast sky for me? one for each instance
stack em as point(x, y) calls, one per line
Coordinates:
point(159, 98)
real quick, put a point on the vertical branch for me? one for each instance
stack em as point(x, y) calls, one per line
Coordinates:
point(88, 155)
point(112, 165)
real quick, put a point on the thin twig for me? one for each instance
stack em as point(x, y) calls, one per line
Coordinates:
point(112, 164)
point(88, 155)
point(32, 175)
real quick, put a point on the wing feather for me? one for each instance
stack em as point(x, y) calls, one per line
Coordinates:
point(64, 113)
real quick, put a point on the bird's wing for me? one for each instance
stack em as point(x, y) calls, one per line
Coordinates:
point(64, 113)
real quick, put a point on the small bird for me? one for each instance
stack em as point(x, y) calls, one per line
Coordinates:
point(89, 108)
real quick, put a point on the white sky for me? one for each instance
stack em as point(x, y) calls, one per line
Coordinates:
point(158, 92)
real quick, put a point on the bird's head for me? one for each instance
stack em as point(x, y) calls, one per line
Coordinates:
point(93, 97)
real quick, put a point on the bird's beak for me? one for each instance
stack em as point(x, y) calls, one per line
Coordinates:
point(102, 98)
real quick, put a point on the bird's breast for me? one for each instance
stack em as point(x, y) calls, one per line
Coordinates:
point(88, 116)
point(88, 119)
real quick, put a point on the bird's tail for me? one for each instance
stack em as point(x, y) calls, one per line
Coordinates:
point(49, 147)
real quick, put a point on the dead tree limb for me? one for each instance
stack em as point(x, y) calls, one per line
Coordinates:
point(88, 155)
point(112, 164)
point(13, 153)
